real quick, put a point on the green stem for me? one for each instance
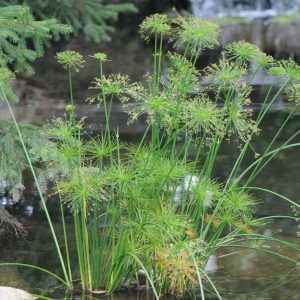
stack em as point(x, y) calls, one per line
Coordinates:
point(66, 240)
point(258, 168)
point(259, 119)
point(72, 116)
point(79, 247)
point(36, 268)
point(263, 251)
point(272, 154)
point(86, 247)
point(273, 193)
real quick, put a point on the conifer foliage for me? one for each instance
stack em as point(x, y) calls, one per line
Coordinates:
point(91, 17)
point(13, 160)
point(22, 38)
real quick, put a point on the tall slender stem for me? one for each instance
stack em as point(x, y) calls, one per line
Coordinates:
point(66, 240)
point(72, 115)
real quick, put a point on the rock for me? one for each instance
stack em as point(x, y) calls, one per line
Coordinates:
point(9, 293)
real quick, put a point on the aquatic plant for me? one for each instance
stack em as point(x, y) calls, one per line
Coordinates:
point(152, 209)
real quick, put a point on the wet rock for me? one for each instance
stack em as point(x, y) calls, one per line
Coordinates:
point(274, 38)
point(28, 211)
point(211, 265)
point(9, 293)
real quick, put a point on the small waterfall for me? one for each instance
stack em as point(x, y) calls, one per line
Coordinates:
point(251, 9)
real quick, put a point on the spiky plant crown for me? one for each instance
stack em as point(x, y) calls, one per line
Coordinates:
point(102, 57)
point(70, 60)
point(157, 24)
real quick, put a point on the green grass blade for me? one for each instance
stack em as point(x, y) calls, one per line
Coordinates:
point(36, 268)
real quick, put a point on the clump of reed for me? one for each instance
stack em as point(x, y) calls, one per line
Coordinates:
point(151, 206)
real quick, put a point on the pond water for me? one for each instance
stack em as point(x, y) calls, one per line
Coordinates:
point(237, 274)
point(242, 275)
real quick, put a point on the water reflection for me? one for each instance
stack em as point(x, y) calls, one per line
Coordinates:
point(6, 202)
point(237, 274)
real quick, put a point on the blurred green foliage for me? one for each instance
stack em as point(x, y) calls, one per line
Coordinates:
point(22, 38)
point(92, 17)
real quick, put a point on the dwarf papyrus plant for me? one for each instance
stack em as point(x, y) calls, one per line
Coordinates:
point(152, 208)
